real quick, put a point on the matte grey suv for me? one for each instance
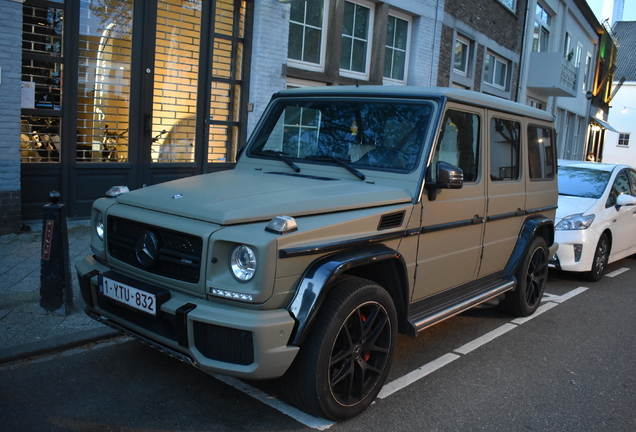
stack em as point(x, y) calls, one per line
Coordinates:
point(352, 215)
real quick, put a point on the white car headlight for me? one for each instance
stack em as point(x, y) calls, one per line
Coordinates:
point(99, 225)
point(243, 263)
point(576, 222)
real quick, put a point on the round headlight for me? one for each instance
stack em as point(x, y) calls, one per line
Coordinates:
point(243, 263)
point(99, 225)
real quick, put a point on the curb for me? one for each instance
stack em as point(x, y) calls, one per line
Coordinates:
point(57, 343)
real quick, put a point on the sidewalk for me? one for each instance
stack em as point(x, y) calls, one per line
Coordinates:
point(25, 328)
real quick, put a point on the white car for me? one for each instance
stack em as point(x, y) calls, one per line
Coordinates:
point(596, 218)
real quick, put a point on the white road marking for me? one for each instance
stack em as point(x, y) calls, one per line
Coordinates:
point(483, 340)
point(411, 377)
point(543, 308)
point(564, 297)
point(617, 272)
point(296, 414)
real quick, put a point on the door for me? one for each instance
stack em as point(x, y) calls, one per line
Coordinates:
point(506, 192)
point(452, 224)
point(623, 221)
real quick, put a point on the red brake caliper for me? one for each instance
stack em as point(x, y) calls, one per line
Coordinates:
point(367, 354)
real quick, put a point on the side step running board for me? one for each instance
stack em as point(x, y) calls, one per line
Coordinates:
point(436, 310)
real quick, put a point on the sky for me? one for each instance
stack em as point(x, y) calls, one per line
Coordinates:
point(629, 10)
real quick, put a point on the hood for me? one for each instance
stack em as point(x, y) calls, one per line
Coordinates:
point(569, 205)
point(240, 196)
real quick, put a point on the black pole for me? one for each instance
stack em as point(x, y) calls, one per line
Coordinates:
point(56, 290)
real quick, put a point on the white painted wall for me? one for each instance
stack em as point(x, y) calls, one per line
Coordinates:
point(624, 121)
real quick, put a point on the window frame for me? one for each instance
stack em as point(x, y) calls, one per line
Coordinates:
point(510, 4)
point(301, 64)
point(407, 50)
point(544, 29)
point(496, 59)
point(369, 41)
point(467, 43)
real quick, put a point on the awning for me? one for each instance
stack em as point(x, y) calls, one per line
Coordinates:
point(603, 124)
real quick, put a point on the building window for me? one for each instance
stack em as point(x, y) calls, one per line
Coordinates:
point(396, 49)
point(306, 35)
point(567, 47)
point(535, 103)
point(495, 71)
point(586, 73)
point(356, 33)
point(623, 140)
point(461, 56)
point(541, 36)
point(510, 4)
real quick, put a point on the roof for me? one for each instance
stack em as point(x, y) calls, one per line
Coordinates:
point(415, 92)
point(625, 32)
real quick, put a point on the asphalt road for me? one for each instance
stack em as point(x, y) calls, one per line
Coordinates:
point(570, 368)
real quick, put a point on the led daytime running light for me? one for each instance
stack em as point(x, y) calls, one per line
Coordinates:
point(231, 294)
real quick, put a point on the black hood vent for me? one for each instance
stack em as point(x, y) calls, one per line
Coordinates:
point(391, 220)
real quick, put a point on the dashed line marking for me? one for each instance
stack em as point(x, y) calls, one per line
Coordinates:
point(411, 377)
point(617, 272)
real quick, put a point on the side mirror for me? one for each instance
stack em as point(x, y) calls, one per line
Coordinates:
point(448, 177)
point(625, 200)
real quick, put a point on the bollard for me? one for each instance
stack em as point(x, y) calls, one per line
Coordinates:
point(56, 290)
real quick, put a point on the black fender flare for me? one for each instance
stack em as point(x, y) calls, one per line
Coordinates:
point(315, 283)
point(528, 231)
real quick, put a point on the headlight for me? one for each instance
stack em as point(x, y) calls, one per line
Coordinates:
point(99, 225)
point(243, 263)
point(575, 222)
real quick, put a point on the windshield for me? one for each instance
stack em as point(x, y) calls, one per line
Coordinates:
point(582, 182)
point(362, 134)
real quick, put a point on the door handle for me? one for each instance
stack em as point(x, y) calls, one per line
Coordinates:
point(147, 124)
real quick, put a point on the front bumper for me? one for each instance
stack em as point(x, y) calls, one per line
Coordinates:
point(215, 337)
point(569, 241)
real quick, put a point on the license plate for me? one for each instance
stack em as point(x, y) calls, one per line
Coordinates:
point(128, 295)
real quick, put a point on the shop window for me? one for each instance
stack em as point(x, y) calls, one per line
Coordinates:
point(396, 49)
point(356, 39)
point(496, 71)
point(306, 34)
point(42, 66)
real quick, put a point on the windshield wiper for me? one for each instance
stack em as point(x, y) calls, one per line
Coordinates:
point(340, 162)
point(280, 155)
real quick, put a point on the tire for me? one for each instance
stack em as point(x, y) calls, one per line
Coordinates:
point(599, 263)
point(532, 276)
point(346, 357)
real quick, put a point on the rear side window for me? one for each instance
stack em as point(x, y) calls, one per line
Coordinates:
point(540, 153)
point(459, 143)
point(504, 149)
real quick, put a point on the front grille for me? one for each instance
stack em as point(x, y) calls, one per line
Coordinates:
point(179, 254)
point(223, 343)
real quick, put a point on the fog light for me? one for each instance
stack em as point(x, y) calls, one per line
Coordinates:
point(578, 250)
